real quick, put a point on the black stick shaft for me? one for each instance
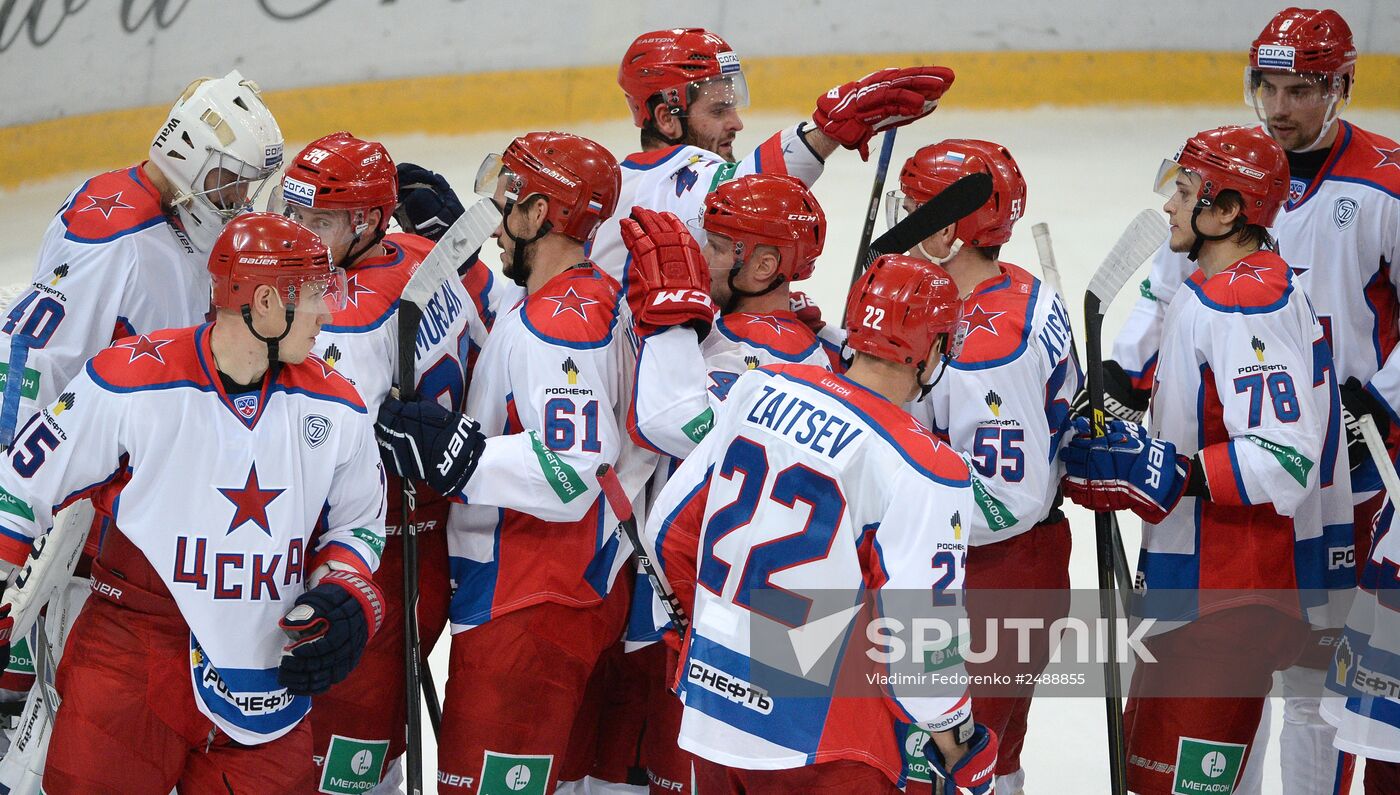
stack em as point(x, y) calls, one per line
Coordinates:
point(410, 315)
point(882, 168)
point(1104, 538)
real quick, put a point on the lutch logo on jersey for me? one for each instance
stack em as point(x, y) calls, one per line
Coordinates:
point(1342, 662)
point(65, 402)
point(571, 370)
point(1344, 212)
point(58, 274)
point(315, 429)
point(752, 362)
point(1258, 346)
point(956, 522)
point(332, 355)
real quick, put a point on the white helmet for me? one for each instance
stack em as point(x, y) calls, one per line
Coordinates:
point(217, 124)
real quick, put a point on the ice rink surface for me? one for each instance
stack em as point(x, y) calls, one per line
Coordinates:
point(1088, 172)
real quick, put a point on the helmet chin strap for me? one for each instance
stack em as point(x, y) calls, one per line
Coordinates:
point(518, 273)
point(1202, 237)
point(273, 363)
point(946, 359)
point(952, 252)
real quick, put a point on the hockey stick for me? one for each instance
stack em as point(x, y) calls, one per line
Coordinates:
point(1375, 445)
point(953, 204)
point(1051, 271)
point(617, 500)
point(1142, 237)
point(467, 234)
point(882, 169)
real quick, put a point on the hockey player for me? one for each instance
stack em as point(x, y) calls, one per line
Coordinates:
point(127, 253)
point(1004, 405)
point(254, 508)
point(1340, 230)
point(868, 493)
point(763, 232)
point(534, 555)
point(1238, 481)
point(685, 88)
point(345, 190)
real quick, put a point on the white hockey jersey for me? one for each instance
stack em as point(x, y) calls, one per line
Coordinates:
point(111, 265)
point(231, 501)
point(808, 482)
point(1341, 235)
point(550, 390)
point(1245, 378)
point(1004, 402)
point(1363, 685)
point(362, 343)
point(680, 383)
point(677, 179)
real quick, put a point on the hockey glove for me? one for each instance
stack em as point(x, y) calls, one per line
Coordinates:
point(427, 204)
point(808, 312)
point(328, 627)
point(423, 441)
point(1126, 469)
point(1121, 400)
point(668, 283)
point(1358, 403)
point(975, 771)
point(853, 113)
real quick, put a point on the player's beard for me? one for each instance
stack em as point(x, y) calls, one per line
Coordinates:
point(519, 265)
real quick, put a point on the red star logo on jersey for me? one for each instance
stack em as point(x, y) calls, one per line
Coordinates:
point(1244, 270)
point(1389, 157)
point(145, 346)
point(250, 502)
point(570, 301)
point(106, 204)
point(980, 318)
point(768, 321)
point(353, 290)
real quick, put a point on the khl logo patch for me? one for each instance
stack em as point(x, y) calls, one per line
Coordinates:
point(247, 406)
point(1344, 212)
point(315, 429)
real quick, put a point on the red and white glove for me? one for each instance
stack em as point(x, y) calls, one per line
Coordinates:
point(668, 283)
point(975, 771)
point(808, 312)
point(853, 113)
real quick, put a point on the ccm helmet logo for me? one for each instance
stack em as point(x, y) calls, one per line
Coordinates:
point(802, 217)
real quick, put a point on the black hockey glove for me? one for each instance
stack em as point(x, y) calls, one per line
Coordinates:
point(1121, 400)
point(424, 441)
point(328, 627)
point(1358, 403)
point(427, 204)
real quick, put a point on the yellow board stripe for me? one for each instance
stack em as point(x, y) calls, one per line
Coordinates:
point(533, 99)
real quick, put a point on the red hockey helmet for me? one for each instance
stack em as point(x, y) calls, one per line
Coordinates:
point(1309, 43)
point(265, 248)
point(899, 306)
point(936, 166)
point(579, 177)
point(668, 66)
point(1305, 41)
point(1243, 159)
point(769, 210)
point(342, 172)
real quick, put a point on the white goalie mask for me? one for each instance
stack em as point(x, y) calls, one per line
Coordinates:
point(218, 147)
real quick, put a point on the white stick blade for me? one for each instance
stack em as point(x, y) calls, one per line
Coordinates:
point(1048, 268)
point(1142, 237)
point(1376, 447)
point(467, 234)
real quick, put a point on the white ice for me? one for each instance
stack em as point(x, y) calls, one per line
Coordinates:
point(1089, 172)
